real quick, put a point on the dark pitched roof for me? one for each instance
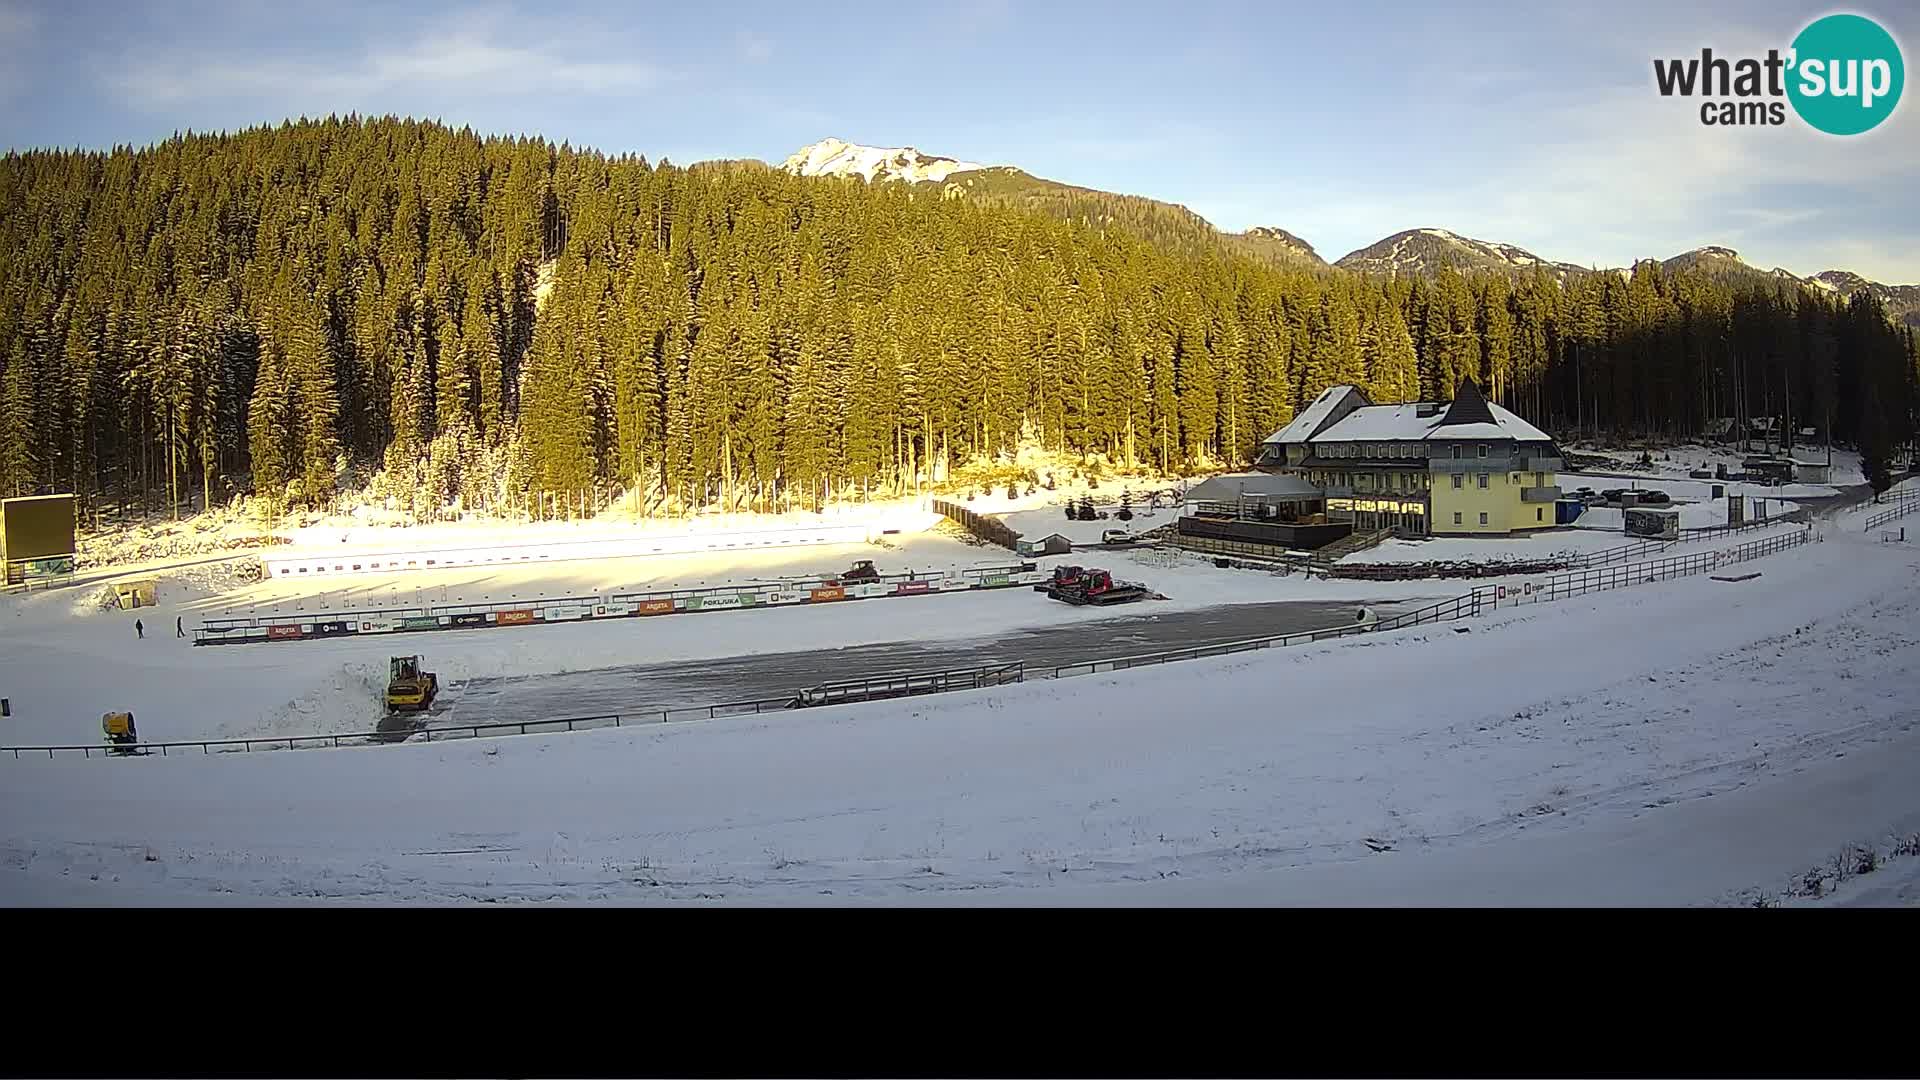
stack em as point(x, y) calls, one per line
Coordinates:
point(1469, 407)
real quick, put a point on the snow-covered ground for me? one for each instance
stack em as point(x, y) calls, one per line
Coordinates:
point(64, 660)
point(1677, 462)
point(1275, 767)
point(1045, 521)
point(1545, 544)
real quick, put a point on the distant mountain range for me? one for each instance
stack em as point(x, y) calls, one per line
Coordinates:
point(1413, 251)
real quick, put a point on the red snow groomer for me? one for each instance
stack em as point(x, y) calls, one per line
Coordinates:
point(1097, 587)
point(1062, 577)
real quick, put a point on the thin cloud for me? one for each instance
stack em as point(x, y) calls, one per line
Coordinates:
point(756, 49)
point(472, 64)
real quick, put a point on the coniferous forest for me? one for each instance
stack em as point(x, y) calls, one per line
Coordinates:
point(533, 328)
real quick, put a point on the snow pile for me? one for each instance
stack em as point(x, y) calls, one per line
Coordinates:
point(833, 157)
point(221, 530)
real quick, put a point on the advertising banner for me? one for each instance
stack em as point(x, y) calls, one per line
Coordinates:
point(282, 633)
point(468, 618)
point(785, 597)
point(564, 613)
point(870, 589)
point(513, 618)
point(332, 629)
point(420, 622)
point(910, 588)
point(828, 592)
point(995, 581)
point(655, 607)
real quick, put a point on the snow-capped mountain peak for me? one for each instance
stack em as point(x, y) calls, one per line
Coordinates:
point(1421, 251)
point(836, 157)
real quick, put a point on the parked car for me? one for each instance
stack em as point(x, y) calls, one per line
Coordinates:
point(1656, 498)
point(1117, 536)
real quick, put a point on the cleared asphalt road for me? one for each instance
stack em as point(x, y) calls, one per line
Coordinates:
point(635, 689)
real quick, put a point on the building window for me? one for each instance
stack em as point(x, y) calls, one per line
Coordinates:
point(1456, 517)
point(1483, 449)
point(1539, 513)
point(1483, 517)
point(1456, 453)
point(1456, 479)
point(1483, 479)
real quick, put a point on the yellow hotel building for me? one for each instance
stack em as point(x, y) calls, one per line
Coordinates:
point(1464, 468)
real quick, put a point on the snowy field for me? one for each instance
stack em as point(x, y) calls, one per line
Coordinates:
point(64, 660)
point(1045, 521)
point(1545, 544)
point(1692, 456)
point(1399, 768)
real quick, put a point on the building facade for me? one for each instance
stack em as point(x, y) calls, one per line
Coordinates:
point(1464, 468)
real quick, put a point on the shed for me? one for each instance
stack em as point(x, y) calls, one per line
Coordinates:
point(1812, 472)
point(1053, 544)
point(1653, 522)
point(136, 594)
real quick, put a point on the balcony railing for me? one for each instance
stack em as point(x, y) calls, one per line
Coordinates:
point(1495, 463)
point(1544, 464)
point(1540, 494)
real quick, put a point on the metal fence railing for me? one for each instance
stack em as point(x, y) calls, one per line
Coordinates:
point(1580, 582)
point(1467, 605)
point(1903, 503)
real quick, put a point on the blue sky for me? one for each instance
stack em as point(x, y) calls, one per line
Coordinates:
point(1341, 122)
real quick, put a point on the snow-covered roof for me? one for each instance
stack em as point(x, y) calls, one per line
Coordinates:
point(1309, 420)
point(1388, 423)
point(1252, 485)
point(1380, 423)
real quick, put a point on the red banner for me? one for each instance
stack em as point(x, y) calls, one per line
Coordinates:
point(906, 588)
point(828, 592)
point(282, 633)
point(508, 618)
point(656, 607)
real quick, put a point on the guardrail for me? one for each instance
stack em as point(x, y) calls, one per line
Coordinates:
point(1579, 583)
point(1467, 605)
point(1898, 510)
point(876, 688)
point(536, 611)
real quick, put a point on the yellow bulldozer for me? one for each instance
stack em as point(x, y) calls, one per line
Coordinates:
point(409, 689)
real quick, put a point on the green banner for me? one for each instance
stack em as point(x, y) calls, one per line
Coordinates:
point(420, 622)
point(996, 581)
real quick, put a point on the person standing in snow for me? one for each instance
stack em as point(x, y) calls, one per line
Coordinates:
point(178, 630)
point(139, 630)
